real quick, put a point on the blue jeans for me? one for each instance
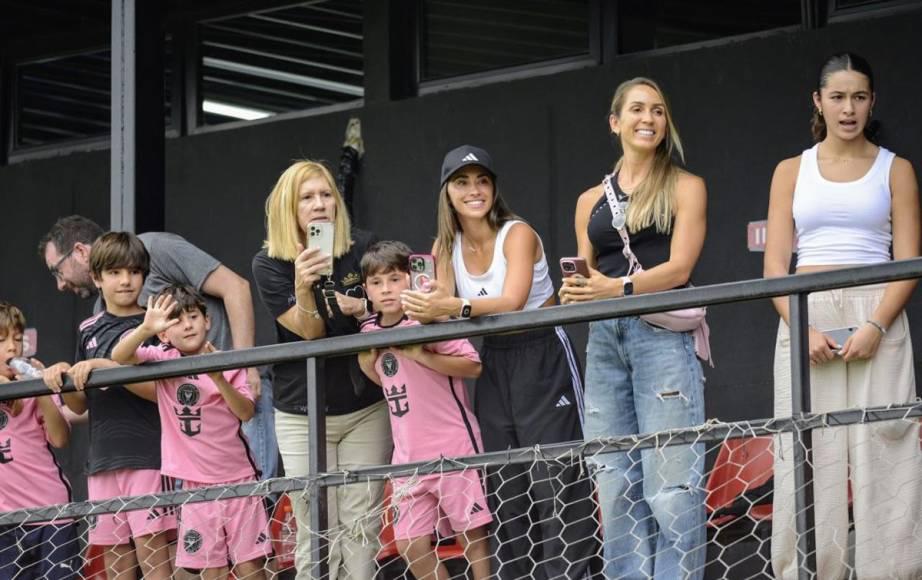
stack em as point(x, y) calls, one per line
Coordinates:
point(260, 431)
point(642, 379)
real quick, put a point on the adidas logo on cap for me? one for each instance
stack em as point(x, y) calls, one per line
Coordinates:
point(470, 157)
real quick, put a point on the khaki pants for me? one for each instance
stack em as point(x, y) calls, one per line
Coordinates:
point(882, 459)
point(359, 439)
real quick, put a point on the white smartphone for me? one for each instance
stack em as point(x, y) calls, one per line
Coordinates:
point(320, 235)
point(840, 335)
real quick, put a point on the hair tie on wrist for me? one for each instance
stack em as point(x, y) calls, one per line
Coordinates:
point(877, 325)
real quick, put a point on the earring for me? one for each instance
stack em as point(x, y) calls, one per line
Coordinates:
point(819, 112)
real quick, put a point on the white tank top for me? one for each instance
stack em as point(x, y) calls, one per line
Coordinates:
point(490, 283)
point(842, 223)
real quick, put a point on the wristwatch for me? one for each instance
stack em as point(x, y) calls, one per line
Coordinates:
point(465, 308)
point(627, 285)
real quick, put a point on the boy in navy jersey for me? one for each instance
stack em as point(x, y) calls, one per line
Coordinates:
point(124, 454)
point(430, 418)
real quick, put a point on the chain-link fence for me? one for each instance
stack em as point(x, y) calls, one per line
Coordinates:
point(735, 500)
point(786, 496)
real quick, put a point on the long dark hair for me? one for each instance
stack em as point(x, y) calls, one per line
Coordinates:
point(835, 63)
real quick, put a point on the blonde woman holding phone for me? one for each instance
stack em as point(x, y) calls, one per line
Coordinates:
point(307, 304)
point(641, 378)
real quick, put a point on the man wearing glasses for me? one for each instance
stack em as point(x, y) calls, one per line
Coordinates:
point(173, 260)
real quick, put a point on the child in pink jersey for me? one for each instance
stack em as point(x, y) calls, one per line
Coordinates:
point(202, 440)
point(29, 473)
point(430, 418)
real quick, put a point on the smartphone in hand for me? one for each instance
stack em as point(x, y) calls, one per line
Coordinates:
point(422, 271)
point(320, 235)
point(573, 266)
point(840, 335)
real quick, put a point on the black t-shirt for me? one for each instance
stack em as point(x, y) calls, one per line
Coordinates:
point(650, 246)
point(124, 428)
point(347, 387)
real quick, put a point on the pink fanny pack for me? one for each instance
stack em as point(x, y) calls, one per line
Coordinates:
point(684, 320)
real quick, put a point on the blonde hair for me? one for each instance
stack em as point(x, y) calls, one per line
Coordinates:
point(283, 234)
point(449, 225)
point(653, 200)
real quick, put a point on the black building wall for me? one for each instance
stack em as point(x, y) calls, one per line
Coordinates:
point(740, 107)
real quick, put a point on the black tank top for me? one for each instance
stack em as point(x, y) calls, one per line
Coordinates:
point(650, 246)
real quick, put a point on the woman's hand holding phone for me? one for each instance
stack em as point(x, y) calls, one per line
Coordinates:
point(862, 344)
point(308, 267)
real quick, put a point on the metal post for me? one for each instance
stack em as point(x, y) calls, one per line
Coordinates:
point(317, 463)
point(803, 438)
point(137, 142)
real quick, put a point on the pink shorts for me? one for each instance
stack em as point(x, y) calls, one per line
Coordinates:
point(119, 528)
point(419, 506)
point(216, 533)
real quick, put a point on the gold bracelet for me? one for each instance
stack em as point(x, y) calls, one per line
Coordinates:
point(878, 326)
point(312, 313)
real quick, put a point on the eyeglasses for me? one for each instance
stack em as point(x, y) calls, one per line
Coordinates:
point(56, 269)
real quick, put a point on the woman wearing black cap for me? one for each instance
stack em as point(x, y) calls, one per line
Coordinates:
point(490, 261)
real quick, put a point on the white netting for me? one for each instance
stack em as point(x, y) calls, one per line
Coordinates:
point(550, 513)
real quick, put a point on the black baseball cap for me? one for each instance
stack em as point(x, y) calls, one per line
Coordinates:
point(463, 156)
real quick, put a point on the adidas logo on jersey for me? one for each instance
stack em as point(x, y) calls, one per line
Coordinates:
point(563, 402)
point(476, 509)
point(92, 343)
point(470, 157)
point(483, 292)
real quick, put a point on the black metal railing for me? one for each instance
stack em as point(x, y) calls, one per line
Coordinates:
point(801, 423)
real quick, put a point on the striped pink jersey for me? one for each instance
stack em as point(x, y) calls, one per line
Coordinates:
point(201, 439)
point(29, 473)
point(430, 413)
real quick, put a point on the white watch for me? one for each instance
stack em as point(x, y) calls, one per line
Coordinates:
point(465, 308)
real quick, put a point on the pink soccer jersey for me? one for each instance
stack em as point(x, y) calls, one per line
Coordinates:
point(201, 438)
point(29, 474)
point(430, 413)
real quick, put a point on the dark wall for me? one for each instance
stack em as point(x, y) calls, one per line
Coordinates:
point(741, 107)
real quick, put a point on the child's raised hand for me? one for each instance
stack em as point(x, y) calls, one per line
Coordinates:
point(157, 318)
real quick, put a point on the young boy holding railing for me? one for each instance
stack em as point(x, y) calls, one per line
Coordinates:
point(203, 443)
point(430, 418)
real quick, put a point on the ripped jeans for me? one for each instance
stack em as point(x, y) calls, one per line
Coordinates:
point(642, 379)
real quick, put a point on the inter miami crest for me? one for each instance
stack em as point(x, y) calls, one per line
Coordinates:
point(389, 364)
point(187, 395)
point(192, 542)
point(190, 422)
point(4, 420)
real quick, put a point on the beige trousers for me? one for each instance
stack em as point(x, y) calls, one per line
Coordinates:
point(882, 460)
point(359, 439)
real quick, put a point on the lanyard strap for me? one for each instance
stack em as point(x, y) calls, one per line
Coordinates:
point(618, 207)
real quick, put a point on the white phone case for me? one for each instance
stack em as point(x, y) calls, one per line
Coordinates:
point(320, 235)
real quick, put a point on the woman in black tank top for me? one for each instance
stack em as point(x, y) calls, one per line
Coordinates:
point(641, 378)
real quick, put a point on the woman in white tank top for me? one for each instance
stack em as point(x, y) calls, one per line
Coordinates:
point(848, 200)
point(530, 390)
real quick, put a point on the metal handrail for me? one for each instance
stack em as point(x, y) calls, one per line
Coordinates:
point(741, 291)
